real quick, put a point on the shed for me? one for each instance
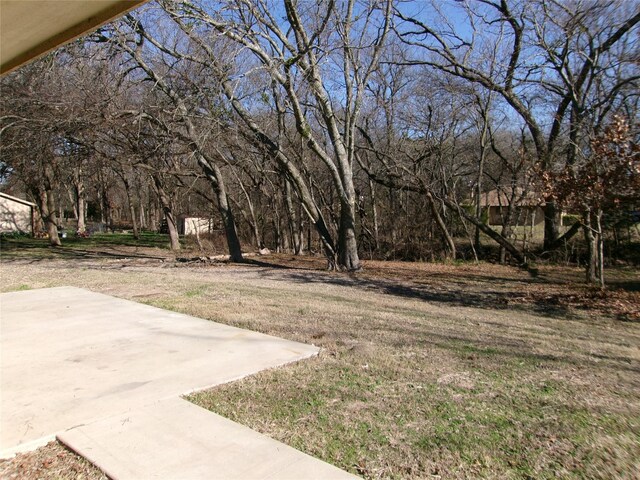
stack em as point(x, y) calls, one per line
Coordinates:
point(16, 215)
point(192, 225)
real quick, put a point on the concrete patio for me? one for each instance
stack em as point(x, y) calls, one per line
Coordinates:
point(74, 358)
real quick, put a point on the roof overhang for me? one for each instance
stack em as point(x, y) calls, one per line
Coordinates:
point(17, 200)
point(31, 28)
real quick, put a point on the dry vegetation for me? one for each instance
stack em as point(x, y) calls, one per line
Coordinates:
point(426, 370)
point(51, 461)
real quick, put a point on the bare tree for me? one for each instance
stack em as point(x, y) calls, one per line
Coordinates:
point(295, 55)
point(543, 44)
point(132, 42)
point(38, 127)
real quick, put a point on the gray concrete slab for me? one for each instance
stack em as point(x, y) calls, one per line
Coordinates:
point(69, 357)
point(174, 439)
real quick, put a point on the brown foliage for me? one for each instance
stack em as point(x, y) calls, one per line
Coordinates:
point(607, 177)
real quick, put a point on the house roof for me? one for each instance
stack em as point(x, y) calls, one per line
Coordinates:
point(16, 199)
point(501, 198)
point(29, 29)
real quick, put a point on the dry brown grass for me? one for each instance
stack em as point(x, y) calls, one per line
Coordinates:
point(52, 461)
point(443, 371)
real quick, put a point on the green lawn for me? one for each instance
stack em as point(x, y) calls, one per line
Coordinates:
point(15, 247)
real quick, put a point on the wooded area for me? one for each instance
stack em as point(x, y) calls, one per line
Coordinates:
point(357, 129)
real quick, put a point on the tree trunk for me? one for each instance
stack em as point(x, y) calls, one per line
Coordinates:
point(600, 249)
point(285, 243)
point(392, 208)
point(451, 246)
point(47, 213)
point(171, 221)
point(507, 232)
point(48, 206)
point(143, 222)
point(173, 229)
point(153, 220)
point(481, 162)
point(591, 248)
point(233, 242)
point(79, 201)
point(348, 247)
point(551, 220)
point(374, 209)
point(168, 213)
point(153, 213)
point(256, 228)
point(254, 222)
point(252, 213)
point(134, 218)
point(74, 203)
point(132, 208)
point(294, 227)
point(325, 242)
point(568, 235)
point(214, 175)
point(82, 214)
point(134, 221)
point(196, 229)
point(106, 210)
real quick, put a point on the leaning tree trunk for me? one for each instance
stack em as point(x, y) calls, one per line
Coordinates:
point(168, 213)
point(233, 242)
point(257, 234)
point(214, 175)
point(490, 232)
point(451, 246)
point(253, 221)
point(173, 229)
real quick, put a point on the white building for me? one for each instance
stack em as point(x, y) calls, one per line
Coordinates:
point(16, 215)
point(191, 225)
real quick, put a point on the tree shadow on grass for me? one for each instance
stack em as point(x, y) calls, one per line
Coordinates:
point(263, 264)
point(460, 290)
point(39, 252)
point(629, 285)
point(488, 299)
